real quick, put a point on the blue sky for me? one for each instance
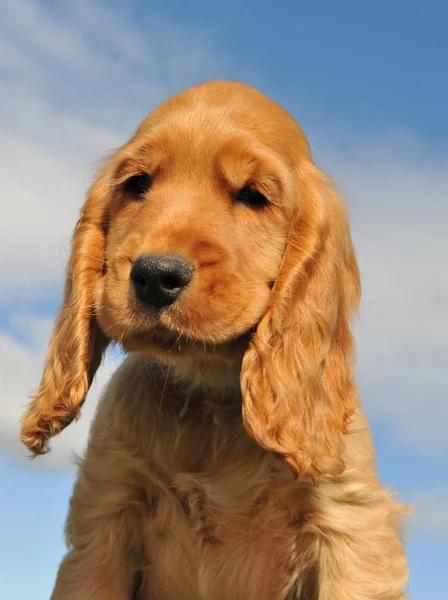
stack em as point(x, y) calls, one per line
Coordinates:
point(367, 81)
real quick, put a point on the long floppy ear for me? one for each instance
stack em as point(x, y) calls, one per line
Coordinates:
point(77, 344)
point(297, 375)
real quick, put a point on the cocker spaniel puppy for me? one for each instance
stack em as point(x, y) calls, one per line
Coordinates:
point(230, 458)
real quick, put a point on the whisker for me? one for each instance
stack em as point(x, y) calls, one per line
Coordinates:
point(163, 389)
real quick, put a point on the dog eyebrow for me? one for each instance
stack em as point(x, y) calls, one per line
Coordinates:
point(251, 167)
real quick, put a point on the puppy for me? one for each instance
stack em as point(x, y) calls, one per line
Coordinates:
point(230, 458)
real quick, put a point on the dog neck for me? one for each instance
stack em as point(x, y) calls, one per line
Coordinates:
point(211, 376)
point(215, 371)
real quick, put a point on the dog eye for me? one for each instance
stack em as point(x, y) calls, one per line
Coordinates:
point(137, 186)
point(251, 197)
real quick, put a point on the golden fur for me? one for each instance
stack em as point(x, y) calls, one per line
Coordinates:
point(230, 458)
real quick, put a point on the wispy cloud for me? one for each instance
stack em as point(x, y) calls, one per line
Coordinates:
point(20, 371)
point(431, 513)
point(397, 192)
point(77, 77)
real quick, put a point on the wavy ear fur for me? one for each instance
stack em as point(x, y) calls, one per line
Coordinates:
point(297, 375)
point(77, 344)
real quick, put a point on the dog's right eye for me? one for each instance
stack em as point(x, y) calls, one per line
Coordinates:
point(251, 197)
point(137, 186)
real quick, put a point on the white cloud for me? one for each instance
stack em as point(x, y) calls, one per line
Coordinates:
point(431, 513)
point(397, 193)
point(20, 372)
point(77, 76)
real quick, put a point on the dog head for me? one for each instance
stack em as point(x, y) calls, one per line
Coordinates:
point(212, 235)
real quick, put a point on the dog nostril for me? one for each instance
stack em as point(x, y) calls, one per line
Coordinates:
point(170, 282)
point(139, 279)
point(160, 279)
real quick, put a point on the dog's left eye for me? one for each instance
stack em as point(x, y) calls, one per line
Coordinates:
point(251, 197)
point(137, 186)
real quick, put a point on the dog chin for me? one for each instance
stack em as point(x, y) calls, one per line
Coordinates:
point(162, 343)
point(176, 347)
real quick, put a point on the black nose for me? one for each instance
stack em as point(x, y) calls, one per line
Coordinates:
point(160, 278)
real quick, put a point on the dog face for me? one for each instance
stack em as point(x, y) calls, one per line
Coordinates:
point(213, 228)
point(199, 207)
